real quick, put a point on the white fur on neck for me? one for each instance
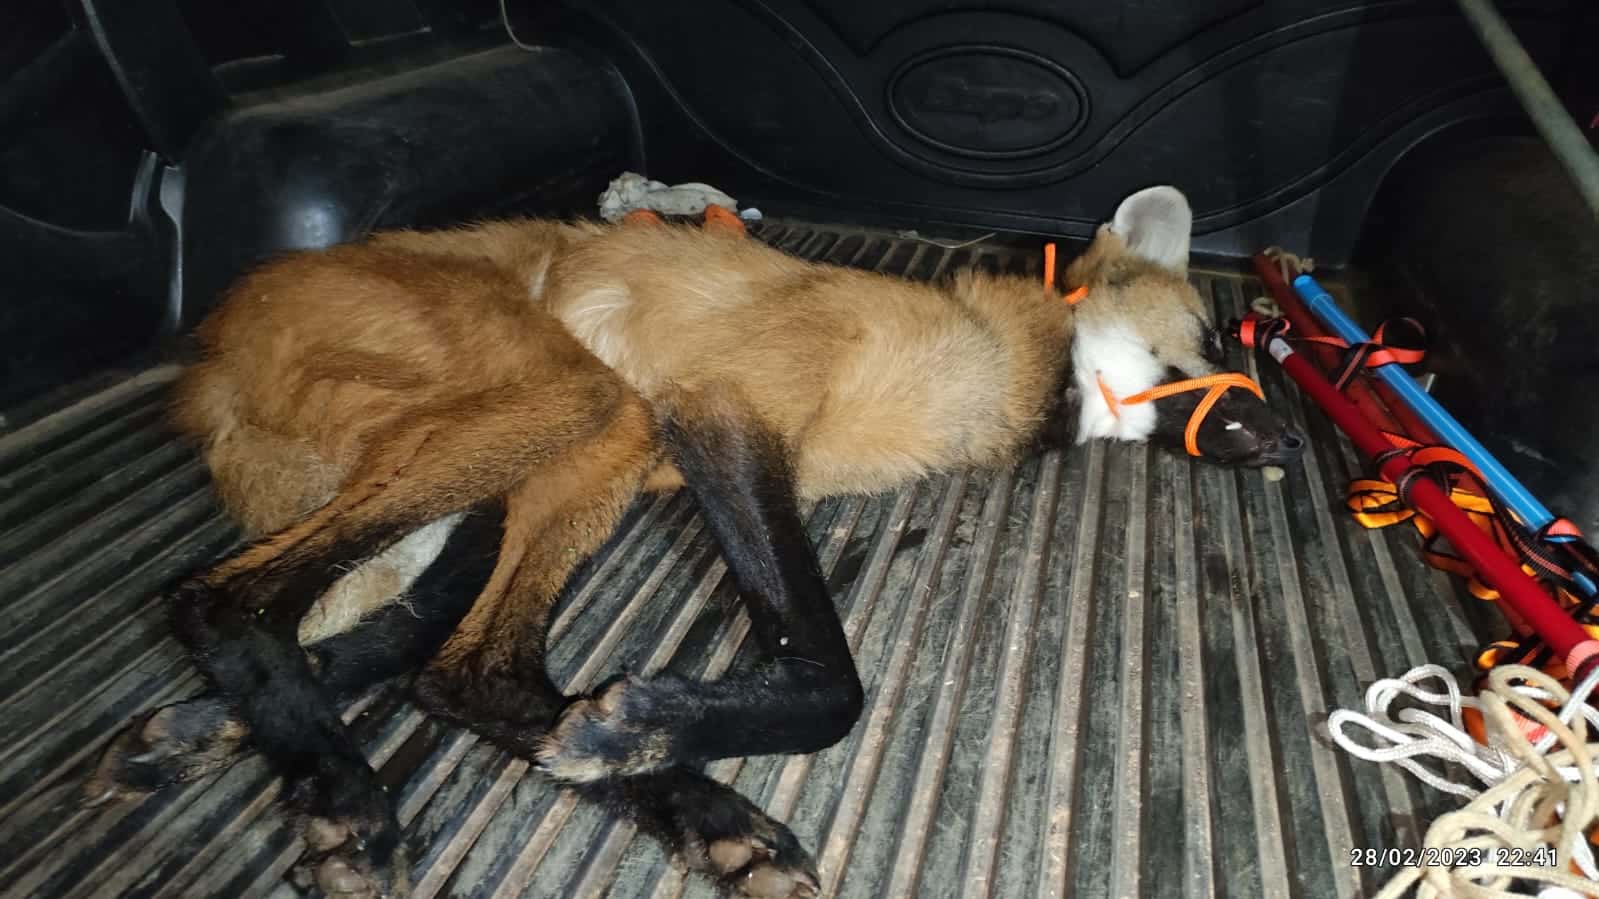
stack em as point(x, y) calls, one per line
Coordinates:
point(1116, 355)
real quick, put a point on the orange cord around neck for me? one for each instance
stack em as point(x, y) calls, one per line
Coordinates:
point(1073, 297)
point(1215, 385)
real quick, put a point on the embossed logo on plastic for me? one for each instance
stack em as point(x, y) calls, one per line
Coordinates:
point(987, 101)
point(990, 104)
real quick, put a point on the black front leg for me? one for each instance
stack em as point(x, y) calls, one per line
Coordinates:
point(240, 622)
point(241, 634)
point(188, 740)
point(804, 695)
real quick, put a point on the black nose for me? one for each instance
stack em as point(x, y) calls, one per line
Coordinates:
point(1285, 449)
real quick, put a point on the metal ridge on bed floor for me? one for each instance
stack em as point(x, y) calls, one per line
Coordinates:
point(1102, 673)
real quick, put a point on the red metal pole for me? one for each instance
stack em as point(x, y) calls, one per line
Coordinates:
point(1375, 399)
point(1518, 591)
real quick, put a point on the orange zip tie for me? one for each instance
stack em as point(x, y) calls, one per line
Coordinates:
point(1110, 398)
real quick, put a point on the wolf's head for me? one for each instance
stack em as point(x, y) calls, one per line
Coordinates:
point(1141, 326)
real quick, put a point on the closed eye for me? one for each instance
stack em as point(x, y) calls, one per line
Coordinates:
point(1213, 350)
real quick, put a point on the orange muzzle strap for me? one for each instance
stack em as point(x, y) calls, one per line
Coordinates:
point(1213, 385)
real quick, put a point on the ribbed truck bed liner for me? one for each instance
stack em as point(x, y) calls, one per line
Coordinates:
point(1102, 673)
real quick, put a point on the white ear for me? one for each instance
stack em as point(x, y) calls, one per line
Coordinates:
point(1156, 223)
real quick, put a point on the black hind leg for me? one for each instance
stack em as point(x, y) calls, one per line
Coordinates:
point(804, 694)
point(188, 740)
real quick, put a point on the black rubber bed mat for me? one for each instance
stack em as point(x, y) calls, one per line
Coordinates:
point(1103, 673)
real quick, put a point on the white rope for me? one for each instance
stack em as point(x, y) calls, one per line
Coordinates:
point(912, 235)
point(1265, 306)
point(1533, 798)
point(1289, 265)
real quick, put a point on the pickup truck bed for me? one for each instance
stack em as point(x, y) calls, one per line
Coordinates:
point(1102, 673)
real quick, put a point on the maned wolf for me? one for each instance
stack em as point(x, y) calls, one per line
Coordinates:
point(457, 419)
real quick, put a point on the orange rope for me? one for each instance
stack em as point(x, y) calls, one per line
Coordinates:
point(1075, 296)
point(1223, 380)
point(1216, 384)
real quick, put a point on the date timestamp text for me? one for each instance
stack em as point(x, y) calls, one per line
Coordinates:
point(1446, 857)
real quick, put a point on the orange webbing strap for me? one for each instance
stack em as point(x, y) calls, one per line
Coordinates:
point(1387, 352)
point(1512, 652)
point(1381, 353)
point(1378, 504)
point(1468, 479)
point(1254, 329)
point(1374, 352)
point(1216, 385)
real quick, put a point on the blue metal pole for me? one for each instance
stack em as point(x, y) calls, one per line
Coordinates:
point(1500, 480)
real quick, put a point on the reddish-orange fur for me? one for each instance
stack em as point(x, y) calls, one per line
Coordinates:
point(317, 360)
point(331, 379)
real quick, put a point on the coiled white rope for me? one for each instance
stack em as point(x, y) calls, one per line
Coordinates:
point(1535, 798)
